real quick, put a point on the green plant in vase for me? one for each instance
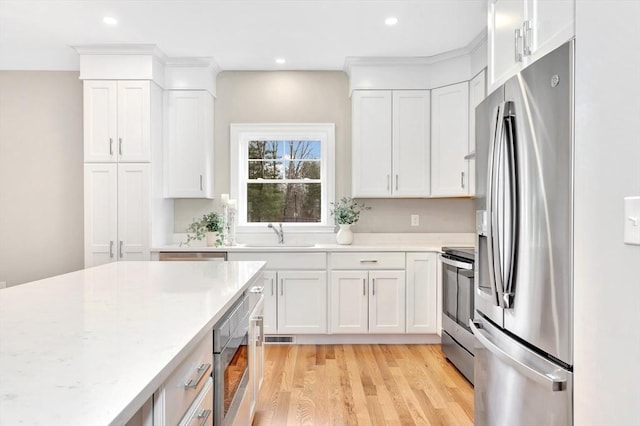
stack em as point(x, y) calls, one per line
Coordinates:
point(209, 223)
point(346, 212)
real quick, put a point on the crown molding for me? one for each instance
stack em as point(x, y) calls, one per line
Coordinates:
point(383, 61)
point(121, 49)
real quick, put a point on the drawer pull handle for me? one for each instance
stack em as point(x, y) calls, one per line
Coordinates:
point(204, 415)
point(202, 369)
point(369, 261)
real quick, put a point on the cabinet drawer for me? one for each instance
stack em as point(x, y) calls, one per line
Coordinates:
point(286, 261)
point(201, 413)
point(367, 260)
point(184, 384)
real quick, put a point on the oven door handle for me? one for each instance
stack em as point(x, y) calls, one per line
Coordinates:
point(456, 263)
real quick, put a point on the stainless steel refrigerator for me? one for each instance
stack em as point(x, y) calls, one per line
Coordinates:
point(523, 319)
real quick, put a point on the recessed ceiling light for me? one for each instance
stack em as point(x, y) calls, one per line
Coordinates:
point(391, 21)
point(109, 20)
point(280, 61)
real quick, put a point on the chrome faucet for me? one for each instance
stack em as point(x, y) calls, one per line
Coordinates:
point(279, 233)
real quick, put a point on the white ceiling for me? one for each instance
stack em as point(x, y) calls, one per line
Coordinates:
point(238, 34)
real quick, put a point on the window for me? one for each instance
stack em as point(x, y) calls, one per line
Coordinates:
point(283, 173)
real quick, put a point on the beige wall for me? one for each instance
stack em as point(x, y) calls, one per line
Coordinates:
point(41, 180)
point(312, 96)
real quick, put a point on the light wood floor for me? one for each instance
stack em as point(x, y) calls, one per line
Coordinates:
point(362, 385)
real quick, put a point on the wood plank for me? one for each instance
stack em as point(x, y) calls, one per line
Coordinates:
point(362, 385)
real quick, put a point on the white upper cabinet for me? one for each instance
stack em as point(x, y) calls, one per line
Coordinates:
point(477, 93)
point(521, 31)
point(117, 121)
point(450, 140)
point(189, 144)
point(390, 143)
point(371, 122)
point(411, 147)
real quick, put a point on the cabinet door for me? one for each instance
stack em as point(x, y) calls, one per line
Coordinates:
point(552, 24)
point(133, 211)
point(189, 147)
point(422, 293)
point(100, 121)
point(450, 140)
point(477, 93)
point(411, 147)
point(302, 302)
point(349, 302)
point(100, 213)
point(371, 143)
point(387, 302)
point(505, 18)
point(134, 121)
point(270, 302)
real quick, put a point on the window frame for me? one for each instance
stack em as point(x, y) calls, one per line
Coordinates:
point(240, 136)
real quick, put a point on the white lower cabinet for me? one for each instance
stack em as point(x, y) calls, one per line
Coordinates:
point(367, 302)
point(295, 291)
point(176, 400)
point(367, 292)
point(422, 293)
point(302, 302)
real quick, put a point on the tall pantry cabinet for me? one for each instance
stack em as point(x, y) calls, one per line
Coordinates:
point(124, 208)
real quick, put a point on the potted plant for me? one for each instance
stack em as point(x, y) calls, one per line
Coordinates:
point(210, 225)
point(346, 212)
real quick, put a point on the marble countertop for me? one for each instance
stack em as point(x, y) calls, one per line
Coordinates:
point(90, 347)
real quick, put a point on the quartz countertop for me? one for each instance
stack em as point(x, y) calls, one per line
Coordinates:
point(362, 242)
point(90, 347)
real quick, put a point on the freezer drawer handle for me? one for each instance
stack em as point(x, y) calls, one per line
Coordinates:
point(557, 384)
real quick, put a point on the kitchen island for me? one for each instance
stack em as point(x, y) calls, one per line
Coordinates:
point(91, 347)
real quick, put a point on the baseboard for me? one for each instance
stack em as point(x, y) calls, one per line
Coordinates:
point(354, 339)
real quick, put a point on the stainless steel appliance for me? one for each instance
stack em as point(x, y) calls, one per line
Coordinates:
point(231, 358)
point(524, 247)
point(192, 255)
point(457, 307)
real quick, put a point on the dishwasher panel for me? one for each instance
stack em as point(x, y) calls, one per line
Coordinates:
point(193, 255)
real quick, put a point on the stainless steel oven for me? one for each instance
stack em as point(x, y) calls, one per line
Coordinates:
point(457, 307)
point(231, 360)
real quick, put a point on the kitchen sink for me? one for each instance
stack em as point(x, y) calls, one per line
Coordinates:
point(285, 245)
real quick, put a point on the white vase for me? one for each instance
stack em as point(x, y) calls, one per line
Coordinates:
point(344, 235)
point(211, 239)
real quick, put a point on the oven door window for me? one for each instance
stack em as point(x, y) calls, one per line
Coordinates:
point(234, 374)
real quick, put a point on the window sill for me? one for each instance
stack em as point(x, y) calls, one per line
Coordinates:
point(288, 228)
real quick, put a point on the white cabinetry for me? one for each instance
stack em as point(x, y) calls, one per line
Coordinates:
point(189, 144)
point(117, 121)
point(295, 291)
point(422, 293)
point(390, 143)
point(477, 93)
point(187, 388)
point(370, 298)
point(450, 140)
point(521, 31)
point(124, 209)
point(302, 302)
point(117, 223)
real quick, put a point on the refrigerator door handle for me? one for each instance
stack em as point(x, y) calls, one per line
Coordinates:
point(512, 207)
point(555, 383)
point(493, 255)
